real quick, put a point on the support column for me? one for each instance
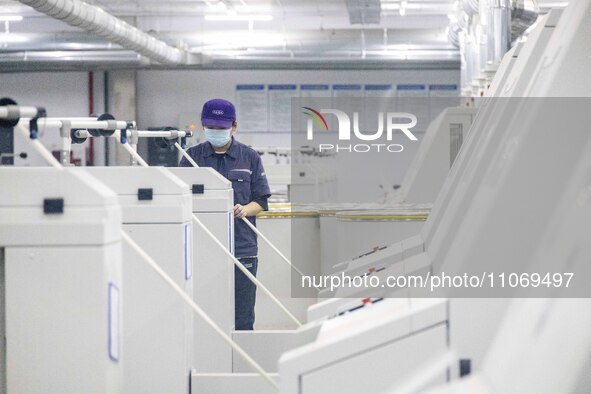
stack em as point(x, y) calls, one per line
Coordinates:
point(122, 105)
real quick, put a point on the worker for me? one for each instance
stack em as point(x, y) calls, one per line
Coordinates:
point(243, 167)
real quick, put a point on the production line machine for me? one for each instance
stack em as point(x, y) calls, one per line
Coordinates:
point(518, 62)
point(213, 203)
point(413, 246)
point(369, 347)
point(489, 190)
point(202, 380)
point(403, 213)
point(267, 345)
point(321, 234)
point(156, 208)
point(129, 199)
point(543, 345)
point(60, 258)
point(157, 219)
point(129, 138)
point(304, 169)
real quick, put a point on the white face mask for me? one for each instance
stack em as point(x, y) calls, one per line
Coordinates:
point(217, 137)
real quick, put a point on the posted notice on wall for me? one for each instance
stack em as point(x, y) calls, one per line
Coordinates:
point(280, 106)
point(251, 107)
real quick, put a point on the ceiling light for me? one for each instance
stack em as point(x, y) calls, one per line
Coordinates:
point(389, 7)
point(402, 9)
point(239, 40)
point(12, 38)
point(238, 17)
point(220, 5)
point(10, 18)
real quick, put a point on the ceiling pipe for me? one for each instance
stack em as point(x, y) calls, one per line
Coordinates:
point(128, 60)
point(61, 60)
point(96, 21)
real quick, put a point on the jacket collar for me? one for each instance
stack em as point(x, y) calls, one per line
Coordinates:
point(232, 151)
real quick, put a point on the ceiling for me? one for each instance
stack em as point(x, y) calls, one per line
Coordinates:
point(244, 33)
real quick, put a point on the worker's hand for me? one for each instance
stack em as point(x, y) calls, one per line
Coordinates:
point(240, 211)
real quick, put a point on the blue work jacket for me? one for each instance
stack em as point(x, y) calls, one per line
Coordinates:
point(243, 167)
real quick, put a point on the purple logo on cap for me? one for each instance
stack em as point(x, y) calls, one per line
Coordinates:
point(218, 113)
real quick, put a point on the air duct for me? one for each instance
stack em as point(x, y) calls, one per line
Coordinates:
point(498, 29)
point(455, 28)
point(471, 7)
point(96, 21)
point(521, 19)
point(484, 32)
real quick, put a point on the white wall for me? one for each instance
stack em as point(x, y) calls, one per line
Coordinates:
point(164, 95)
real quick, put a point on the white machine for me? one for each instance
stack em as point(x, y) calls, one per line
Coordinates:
point(504, 70)
point(311, 174)
point(490, 189)
point(420, 187)
point(506, 79)
point(279, 224)
point(519, 358)
point(365, 349)
point(436, 154)
point(454, 198)
point(360, 231)
point(158, 328)
point(265, 346)
point(313, 183)
point(213, 203)
point(60, 261)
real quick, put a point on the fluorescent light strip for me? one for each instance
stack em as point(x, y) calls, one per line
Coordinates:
point(12, 38)
point(238, 17)
point(10, 18)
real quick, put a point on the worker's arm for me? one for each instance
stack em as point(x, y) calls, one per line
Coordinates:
point(260, 193)
point(250, 209)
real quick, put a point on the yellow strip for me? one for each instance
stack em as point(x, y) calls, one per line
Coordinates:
point(396, 217)
point(264, 215)
point(279, 206)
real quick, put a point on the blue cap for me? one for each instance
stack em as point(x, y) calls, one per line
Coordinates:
point(218, 113)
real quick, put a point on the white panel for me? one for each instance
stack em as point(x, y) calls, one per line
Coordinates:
point(360, 236)
point(231, 383)
point(378, 368)
point(213, 292)
point(264, 346)
point(155, 346)
point(277, 276)
point(57, 319)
